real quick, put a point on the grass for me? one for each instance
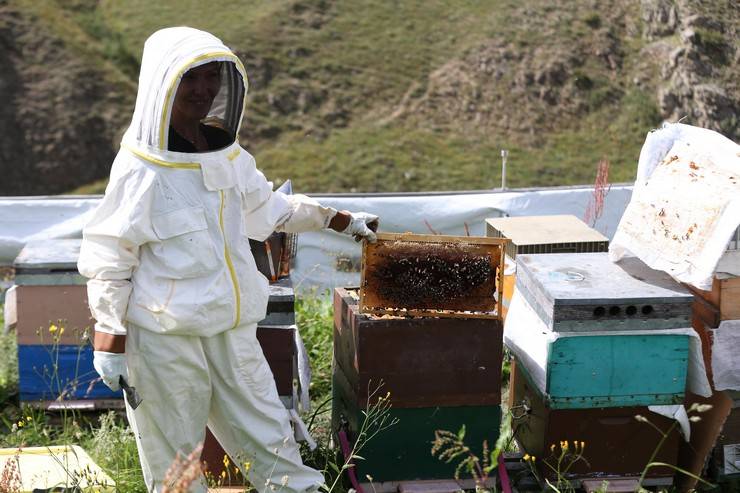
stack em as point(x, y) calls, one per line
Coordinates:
point(326, 76)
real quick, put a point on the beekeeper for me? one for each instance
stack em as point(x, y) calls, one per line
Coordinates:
point(172, 282)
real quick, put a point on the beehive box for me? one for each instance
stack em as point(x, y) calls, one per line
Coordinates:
point(726, 455)
point(50, 290)
point(541, 234)
point(546, 234)
point(442, 373)
point(586, 291)
point(53, 364)
point(440, 276)
point(724, 297)
point(579, 370)
point(616, 444)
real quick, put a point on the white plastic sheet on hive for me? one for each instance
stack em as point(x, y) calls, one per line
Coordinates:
point(685, 206)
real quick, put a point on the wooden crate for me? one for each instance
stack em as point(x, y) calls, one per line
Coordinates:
point(546, 234)
point(440, 276)
point(723, 297)
point(616, 444)
point(586, 291)
point(442, 373)
point(422, 361)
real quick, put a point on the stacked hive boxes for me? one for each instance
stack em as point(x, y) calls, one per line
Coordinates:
point(51, 294)
point(441, 372)
point(54, 328)
point(541, 234)
point(596, 343)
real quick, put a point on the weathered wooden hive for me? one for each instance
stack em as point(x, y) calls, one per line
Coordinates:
point(614, 442)
point(434, 344)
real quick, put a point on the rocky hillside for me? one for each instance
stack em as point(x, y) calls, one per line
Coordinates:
point(380, 96)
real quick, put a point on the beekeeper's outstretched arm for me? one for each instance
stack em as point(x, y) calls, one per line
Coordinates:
point(108, 255)
point(268, 211)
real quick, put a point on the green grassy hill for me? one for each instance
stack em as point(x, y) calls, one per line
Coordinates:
point(378, 95)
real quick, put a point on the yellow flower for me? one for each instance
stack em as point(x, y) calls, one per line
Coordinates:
point(526, 457)
point(583, 446)
point(226, 461)
point(247, 467)
point(61, 330)
point(565, 445)
point(534, 458)
point(223, 473)
point(236, 470)
point(53, 328)
point(21, 424)
point(29, 418)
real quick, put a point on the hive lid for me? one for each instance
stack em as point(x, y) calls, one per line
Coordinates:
point(47, 255)
point(586, 291)
point(541, 230)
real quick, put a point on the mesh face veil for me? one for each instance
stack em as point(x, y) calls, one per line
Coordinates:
point(168, 55)
point(226, 110)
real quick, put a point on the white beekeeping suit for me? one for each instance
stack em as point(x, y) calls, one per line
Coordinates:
point(170, 267)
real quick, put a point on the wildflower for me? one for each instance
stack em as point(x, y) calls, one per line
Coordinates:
point(700, 408)
point(61, 330)
point(284, 480)
point(21, 423)
point(236, 470)
point(526, 457)
point(552, 448)
point(223, 474)
point(641, 418)
point(583, 446)
point(53, 328)
point(29, 418)
point(226, 461)
point(369, 478)
point(247, 466)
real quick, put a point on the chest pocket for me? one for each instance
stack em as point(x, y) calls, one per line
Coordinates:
point(186, 249)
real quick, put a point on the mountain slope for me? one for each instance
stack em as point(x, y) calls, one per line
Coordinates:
point(422, 95)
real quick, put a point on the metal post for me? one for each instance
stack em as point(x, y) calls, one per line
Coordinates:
point(504, 155)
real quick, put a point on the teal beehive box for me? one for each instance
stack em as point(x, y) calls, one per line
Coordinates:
point(592, 367)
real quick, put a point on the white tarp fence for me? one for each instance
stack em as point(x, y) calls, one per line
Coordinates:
point(326, 259)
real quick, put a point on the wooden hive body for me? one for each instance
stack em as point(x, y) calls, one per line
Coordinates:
point(582, 292)
point(546, 234)
point(442, 373)
point(616, 444)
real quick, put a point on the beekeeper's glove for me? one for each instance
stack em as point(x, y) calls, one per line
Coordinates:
point(362, 225)
point(110, 366)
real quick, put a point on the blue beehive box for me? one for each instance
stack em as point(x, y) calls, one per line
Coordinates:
point(54, 365)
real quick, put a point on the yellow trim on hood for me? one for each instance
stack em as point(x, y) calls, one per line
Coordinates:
point(166, 164)
point(214, 54)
